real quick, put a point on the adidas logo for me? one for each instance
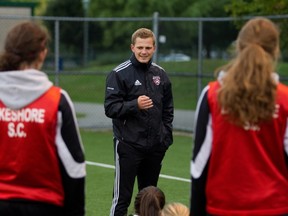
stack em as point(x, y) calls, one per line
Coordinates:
point(137, 83)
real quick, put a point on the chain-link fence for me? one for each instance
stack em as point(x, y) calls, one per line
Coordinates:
point(83, 50)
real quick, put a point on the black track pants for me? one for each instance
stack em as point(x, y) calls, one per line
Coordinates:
point(130, 163)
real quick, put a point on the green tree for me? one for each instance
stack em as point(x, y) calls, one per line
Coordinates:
point(216, 35)
point(121, 31)
point(71, 33)
point(240, 8)
point(257, 7)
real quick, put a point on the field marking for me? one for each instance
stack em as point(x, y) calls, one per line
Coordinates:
point(161, 175)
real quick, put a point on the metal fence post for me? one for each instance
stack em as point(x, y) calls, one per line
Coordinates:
point(57, 56)
point(200, 57)
point(85, 31)
point(155, 24)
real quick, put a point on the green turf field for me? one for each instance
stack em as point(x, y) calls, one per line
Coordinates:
point(99, 150)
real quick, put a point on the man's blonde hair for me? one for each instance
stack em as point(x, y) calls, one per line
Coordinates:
point(142, 33)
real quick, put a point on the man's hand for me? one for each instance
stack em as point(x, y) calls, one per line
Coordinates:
point(144, 102)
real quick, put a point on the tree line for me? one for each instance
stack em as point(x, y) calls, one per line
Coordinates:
point(107, 33)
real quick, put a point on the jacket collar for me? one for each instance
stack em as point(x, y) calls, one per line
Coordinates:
point(136, 63)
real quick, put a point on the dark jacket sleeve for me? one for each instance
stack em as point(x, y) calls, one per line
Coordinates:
point(198, 197)
point(115, 104)
point(72, 161)
point(168, 112)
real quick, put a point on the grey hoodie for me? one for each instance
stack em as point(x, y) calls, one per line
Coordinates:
point(20, 88)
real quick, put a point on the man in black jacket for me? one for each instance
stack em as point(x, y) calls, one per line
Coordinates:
point(139, 100)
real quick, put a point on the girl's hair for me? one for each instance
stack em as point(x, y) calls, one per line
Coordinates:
point(247, 92)
point(143, 33)
point(23, 43)
point(149, 201)
point(175, 209)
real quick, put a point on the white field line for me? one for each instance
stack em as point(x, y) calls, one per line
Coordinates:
point(161, 175)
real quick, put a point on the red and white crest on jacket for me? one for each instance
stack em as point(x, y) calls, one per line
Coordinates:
point(156, 80)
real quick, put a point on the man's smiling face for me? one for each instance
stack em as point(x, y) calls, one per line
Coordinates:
point(143, 49)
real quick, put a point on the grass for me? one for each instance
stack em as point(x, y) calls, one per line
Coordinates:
point(99, 184)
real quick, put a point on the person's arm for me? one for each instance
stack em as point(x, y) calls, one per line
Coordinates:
point(286, 144)
point(168, 112)
point(201, 154)
point(71, 157)
point(115, 104)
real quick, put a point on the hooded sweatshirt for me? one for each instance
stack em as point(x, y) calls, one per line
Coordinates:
point(42, 156)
